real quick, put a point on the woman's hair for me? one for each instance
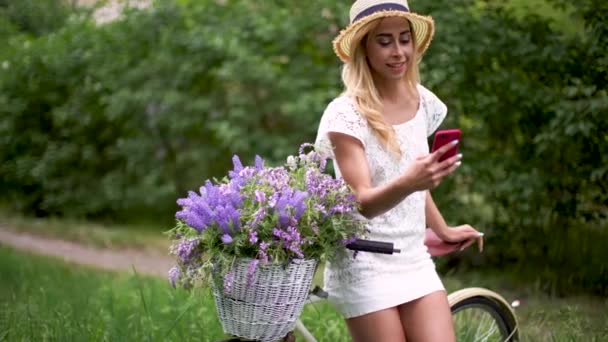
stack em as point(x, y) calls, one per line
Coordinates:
point(357, 78)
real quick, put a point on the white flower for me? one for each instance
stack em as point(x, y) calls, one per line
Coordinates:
point(292, 163)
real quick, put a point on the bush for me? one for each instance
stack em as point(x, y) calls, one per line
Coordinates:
point(139, 110)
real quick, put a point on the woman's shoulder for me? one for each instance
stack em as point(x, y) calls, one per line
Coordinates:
point(434, 108)
point(341, 116)
point(425, 92)
point(342, 102)
point(344, 106)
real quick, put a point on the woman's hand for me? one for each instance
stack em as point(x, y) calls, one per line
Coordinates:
point(427, 172)
point(465, 235)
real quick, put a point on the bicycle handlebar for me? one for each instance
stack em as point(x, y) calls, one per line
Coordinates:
point(372, 246)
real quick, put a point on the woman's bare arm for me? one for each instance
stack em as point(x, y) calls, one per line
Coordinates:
point(373, 201)
point(463, 234)
point(434, 219)
point(425, 173)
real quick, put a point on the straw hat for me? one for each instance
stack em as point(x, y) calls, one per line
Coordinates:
point(363, 12)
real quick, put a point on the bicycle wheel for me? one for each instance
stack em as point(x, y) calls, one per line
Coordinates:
point(481, 315)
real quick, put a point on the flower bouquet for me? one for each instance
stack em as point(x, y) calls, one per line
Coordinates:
point(256, 236)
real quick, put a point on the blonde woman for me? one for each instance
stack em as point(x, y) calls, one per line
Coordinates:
point(378, 131)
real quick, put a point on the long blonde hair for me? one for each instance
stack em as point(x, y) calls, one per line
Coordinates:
point(357, 78)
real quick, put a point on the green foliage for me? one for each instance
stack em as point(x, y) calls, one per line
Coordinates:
point(532, 101)
point(34, 17)
point(140, 110)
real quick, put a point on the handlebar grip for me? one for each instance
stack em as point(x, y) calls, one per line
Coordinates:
point(372, 246)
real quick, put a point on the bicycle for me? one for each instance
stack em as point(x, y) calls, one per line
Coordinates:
point(479, 314)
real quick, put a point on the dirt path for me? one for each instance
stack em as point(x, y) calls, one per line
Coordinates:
point(122, 260)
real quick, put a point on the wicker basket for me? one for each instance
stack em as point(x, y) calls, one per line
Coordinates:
point(268, 308)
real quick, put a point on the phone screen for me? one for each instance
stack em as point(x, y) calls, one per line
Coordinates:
point(443, 137)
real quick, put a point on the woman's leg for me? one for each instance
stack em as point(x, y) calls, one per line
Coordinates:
point(380, 326)
point(428, 319)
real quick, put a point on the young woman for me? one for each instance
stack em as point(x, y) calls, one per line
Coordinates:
point(378, 131)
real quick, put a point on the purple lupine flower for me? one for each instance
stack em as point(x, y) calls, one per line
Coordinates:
point(260, 196)
point(291, 238)
point(263, 256)
point(272, 201)
point(186, 250)
point(247, 173)
point(277, 178)
point(251, 271)
point(237, 165)
point(228, 282)
point(231, 193)
point(253, 237)
point(174, 274)
point(291, 199)
point(295, 241)
point(226, 239)
point(228, 218)
point(216, 205)
point(320, 208)
point(259, 163)
point(340, 209)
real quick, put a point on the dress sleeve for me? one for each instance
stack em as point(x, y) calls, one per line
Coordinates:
point(435, 109)
point(340, 116)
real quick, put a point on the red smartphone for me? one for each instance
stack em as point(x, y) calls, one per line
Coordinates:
point(443, 137)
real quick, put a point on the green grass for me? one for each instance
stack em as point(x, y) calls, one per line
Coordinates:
point(542, 317)
point(140, 236)
point(45, 300)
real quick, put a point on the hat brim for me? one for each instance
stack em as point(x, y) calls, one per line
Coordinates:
point(423, 27)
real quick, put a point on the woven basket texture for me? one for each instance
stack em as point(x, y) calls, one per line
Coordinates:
point(266, 308)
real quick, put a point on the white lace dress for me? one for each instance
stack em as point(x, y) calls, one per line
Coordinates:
point(371, 282)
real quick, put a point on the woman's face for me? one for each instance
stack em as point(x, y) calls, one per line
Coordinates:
point(389, 48)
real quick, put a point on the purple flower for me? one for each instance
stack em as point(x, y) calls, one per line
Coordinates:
point(263, 256)
point(276, 212)
point(174, 274)
point(291, 205)
point(313, 156)
point(253, 237)
point(303, 146)
point(291, 239)
point(251, 271)
point(260, 196)
point(228, 282)
point(226, 239)
point(186, 250)
point(236, 162)
point(259, 163)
